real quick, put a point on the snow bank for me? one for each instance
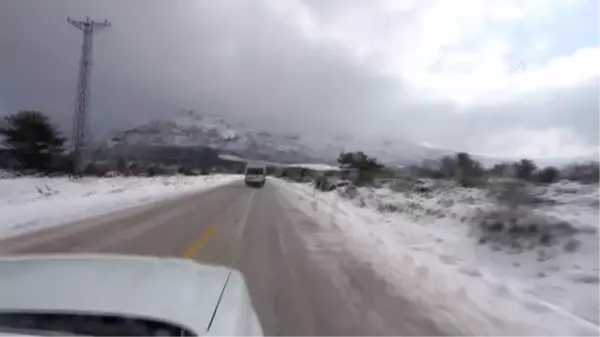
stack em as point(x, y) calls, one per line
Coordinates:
point(6, 174)
point(29, 204)
point(423, 244)
point(230, 157)
point(315, 166)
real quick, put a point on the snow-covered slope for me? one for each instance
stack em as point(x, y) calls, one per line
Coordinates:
point(29, 204)
point(196, 129)
point(424, 245)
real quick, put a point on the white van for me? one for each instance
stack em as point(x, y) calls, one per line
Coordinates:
point(255, 175)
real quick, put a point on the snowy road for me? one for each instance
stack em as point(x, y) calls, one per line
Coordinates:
point(294, 290)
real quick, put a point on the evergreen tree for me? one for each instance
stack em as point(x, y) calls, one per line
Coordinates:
point(32, 140)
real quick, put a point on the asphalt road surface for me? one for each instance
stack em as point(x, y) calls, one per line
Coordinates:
point(255, 231)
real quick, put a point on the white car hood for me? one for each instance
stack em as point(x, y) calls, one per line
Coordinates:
point(173, 290)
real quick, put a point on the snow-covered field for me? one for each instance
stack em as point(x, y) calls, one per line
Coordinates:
point(29, 204)
point(441, 248)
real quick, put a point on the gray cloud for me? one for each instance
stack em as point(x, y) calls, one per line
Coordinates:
point(238, 59)
point(226, 58)
point(575, 108)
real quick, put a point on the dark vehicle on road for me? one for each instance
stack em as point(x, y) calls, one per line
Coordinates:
point(255, 175)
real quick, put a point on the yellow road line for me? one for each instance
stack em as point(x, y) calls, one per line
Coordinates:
point(195, 247)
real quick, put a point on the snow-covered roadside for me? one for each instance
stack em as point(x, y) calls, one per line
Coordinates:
point(435, 263)
point(29, 204)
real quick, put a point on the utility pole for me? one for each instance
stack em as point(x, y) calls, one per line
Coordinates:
point(83, 86)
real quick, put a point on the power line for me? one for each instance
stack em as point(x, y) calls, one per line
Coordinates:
point(83, 83)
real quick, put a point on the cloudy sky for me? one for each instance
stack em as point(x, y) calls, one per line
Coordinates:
point(505, 78)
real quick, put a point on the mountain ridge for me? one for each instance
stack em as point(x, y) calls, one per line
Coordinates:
point(201, 129)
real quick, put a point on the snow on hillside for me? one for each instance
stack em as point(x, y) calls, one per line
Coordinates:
point(313, 166)
point(230, 157)
point(439, 246)
point(28, 204)
point(196, 129)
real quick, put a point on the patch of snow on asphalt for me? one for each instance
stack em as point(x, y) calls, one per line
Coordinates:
point(28, 204)
point(424, 244)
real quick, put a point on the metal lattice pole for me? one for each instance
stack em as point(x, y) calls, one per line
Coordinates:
point(82, 98)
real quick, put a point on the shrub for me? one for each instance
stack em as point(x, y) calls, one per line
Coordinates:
point(500, 170)
point(548, 175)
point(32, 140)
point(348, 192)
point(524, 169)
point(586, 173)
point(512, 194)
point(514, 223)
point(521, 230)
point(186, 171)
point(98, 169)
point(366, 166)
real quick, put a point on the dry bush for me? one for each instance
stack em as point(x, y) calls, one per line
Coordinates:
point(348, 192)
point(515, 224)
point(521, 230)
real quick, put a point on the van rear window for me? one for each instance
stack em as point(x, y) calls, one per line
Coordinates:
point(255, 170)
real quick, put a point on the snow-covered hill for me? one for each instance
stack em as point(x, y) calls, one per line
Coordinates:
point(196, 129)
